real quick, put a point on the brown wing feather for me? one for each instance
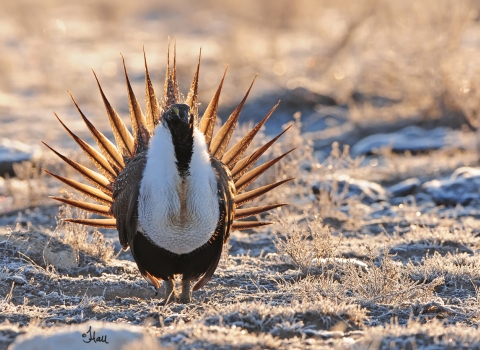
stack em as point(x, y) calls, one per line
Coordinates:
point(125, 195)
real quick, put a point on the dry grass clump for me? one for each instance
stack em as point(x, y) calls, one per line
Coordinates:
point(309, 246)
point(444, 236)
point(330, 184)
point(289, 319)
point(86, 243)
point(419, 335)
point(262, 325)
point(201, 336)
point(461, 270)
point(386, 282)
point(29, 187)
point(377, 281)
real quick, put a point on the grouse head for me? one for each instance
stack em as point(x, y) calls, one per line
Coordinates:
point(180, 121)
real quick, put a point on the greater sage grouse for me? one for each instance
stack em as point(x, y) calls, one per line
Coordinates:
point(171, 188)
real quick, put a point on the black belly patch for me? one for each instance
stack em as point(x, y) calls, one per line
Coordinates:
point(164, 264)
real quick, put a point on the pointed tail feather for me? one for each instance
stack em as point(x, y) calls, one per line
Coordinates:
point(167, 78)
point(151, 102)
point(90, 207)
point(192, 97)
point(89, 191)
point(107, 148)
point(222, 138)
point(245, 213)
point(251, 195)
point(245, 225)
point(100, 223)
point(123, 138)
point(252, 175)
point(98, 180)
point(233, 154)
point(140, 133)
point(169, 97)
point(174, 71)
point(100, 162)
point(244, 164)
point(151, 279)
point(207, 123)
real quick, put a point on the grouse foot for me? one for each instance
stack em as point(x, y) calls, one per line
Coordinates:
point(168, 287)
point(186, 296)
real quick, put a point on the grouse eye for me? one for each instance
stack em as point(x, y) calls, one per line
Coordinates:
point(175, 111)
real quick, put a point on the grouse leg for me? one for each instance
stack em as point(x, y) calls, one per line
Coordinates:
point(169, 287)
point(186, 295)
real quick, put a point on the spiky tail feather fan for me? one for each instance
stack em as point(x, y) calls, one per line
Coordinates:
point(112, 159)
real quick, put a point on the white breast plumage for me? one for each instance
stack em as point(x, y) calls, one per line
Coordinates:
point(179, 215)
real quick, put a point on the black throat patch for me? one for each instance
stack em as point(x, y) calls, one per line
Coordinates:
point(183, 150)
point(180, 123)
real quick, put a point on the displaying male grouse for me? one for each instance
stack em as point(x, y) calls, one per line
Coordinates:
point(172, 189)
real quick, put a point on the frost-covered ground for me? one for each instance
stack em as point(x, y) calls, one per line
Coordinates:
point(380, 245)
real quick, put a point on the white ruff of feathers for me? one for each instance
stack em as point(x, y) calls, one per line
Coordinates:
point(178, 215)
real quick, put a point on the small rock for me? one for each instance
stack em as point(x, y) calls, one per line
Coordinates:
point(461, 188)
point(294, 100)
point(12, 151)
point(42, 248)
point(411, 138)
point(422, 198)
point(18, 279)
point(322, 334)
point(405, 187)
point(323, 118)
point(53, 295)
point(61, 255)
point(369, 192)
point(375, 100)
